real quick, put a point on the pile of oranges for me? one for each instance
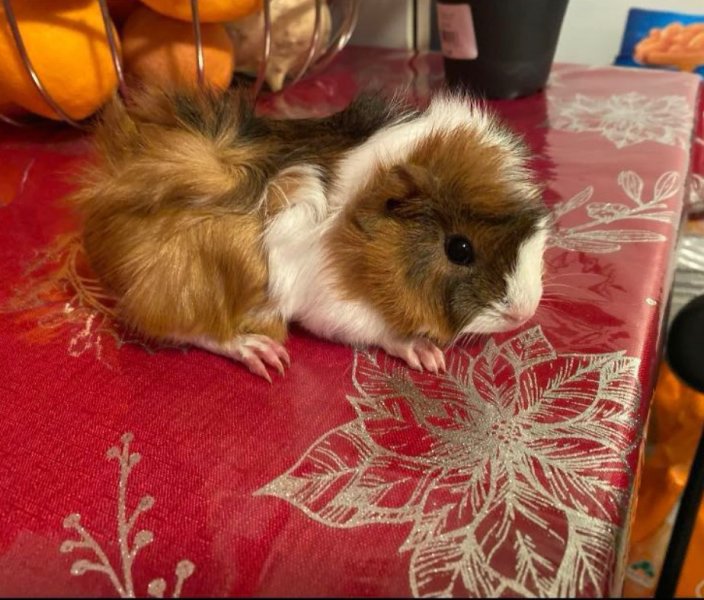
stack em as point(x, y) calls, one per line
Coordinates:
point(68, 47)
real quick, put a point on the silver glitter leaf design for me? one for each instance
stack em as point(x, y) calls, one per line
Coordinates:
point(511, 467)
point(632, 185)
point(591, 235)
point(121, 577)
point(625, 119)
point(344, 482)
point(567, 206)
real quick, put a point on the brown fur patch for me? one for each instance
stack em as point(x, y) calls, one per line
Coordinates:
point(174, 220)
point(146, 144)
point(178, 274)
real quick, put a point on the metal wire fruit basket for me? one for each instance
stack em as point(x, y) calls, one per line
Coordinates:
point(344, 14)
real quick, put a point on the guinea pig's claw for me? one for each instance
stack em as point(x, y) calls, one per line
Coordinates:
point(283, 354)
point(431, 357)
point(439, 361)
point(256, 366)
point(271, 357)
point(414, 362)
point(261, 352)
point(256, 352)
point(429, 361)
point(440, 358)
point(273, 353)
point(419, 354)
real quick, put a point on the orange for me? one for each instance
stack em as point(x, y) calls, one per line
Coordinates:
point(67, 45)
point(8, 108)
point(161, 49)
point(120, 9)
point(209, 11)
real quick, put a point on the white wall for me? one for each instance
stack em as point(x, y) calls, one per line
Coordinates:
point(591, 32)
point(386, 23)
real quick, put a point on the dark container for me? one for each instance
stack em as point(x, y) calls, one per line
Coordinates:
point(515, 45)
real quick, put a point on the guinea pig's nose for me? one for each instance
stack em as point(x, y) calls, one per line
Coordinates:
point(517, 316)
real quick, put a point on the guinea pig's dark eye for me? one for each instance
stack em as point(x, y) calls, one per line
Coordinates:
point(392, 204)
point(459, 250)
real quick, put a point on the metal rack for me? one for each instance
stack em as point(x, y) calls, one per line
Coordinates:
point(338, 41)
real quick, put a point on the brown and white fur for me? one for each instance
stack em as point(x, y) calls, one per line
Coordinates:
point(218, 228)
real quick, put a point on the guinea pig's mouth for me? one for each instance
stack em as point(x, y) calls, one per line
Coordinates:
point(497, 320)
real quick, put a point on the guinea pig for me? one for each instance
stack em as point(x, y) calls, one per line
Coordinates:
point(381, 225)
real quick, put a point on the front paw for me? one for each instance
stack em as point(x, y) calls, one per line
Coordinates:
point(256, 352)
point(418, 353)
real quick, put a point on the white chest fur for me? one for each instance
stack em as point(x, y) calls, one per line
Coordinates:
point(300, 280)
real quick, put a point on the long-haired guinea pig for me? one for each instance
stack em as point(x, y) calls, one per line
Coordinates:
point(379, 225)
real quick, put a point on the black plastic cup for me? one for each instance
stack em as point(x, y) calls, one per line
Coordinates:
point(515, 43)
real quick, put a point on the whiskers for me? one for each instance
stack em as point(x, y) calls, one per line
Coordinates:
point(556, 302)
point(468, 339)
point(556, 298)
point(556, 294)
point(557, 289)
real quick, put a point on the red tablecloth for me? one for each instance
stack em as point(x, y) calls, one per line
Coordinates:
point(512, 474)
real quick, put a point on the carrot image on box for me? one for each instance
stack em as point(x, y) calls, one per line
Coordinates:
point(677, 45)
point(663, 40)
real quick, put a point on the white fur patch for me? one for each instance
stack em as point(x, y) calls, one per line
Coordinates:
point(525, 285)
point(292, 239)
point(524, 288)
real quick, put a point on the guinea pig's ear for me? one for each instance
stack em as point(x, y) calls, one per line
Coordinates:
point(406, 184)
